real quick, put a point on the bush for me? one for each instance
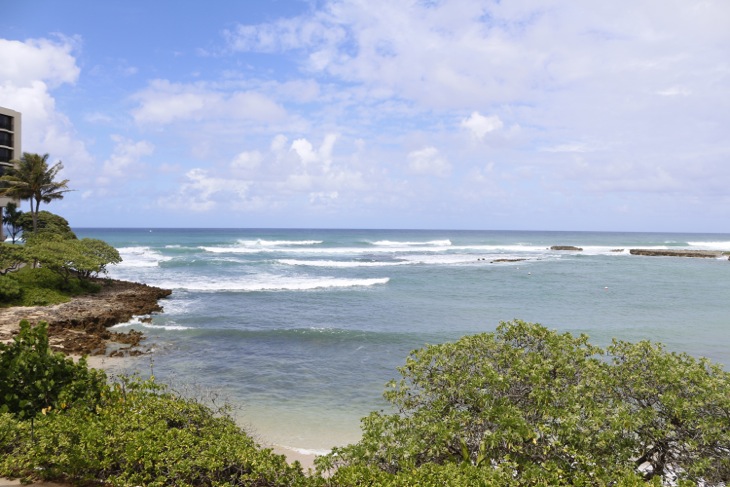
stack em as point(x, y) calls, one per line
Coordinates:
point(548, 408)
point(141, 435)
point(129, 433)
point(34, 380)
point(10, 290)
point(43, 287)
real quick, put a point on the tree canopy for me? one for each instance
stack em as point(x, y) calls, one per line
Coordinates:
point(32, 179)
point(542, 405)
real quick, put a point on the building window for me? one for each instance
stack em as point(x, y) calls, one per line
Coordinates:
point(6, 122)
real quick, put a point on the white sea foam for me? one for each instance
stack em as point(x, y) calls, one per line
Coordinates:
point(167, 327)
point(719, 245)
point(273, 283)
point(138, 322)
point(305, 451)
point(339, 263)
point(141, 257)
point(277, 243)
point(390, 243)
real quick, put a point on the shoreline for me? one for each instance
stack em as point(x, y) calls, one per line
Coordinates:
point(81, 325)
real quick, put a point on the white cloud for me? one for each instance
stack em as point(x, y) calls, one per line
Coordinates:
point(323, 198)
point(428, 161)
point(674, 91)
point(31, 70)
point(38, 59)
point(163, 102)
point(480, 126)
point(246, 162)
point(304, 150)
point(124, 164)
point(308, 156)
point(200, 192)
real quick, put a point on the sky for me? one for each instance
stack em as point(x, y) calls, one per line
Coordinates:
point(453, 114)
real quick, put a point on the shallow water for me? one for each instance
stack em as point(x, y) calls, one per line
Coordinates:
point(302, 328)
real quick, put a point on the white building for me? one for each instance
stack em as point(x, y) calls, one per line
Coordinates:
point(9, 148)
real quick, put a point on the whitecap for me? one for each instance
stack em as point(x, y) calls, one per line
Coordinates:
point(339, 263)
point(429, 243)
point(277, 243)
point(141, 257)
point(718, 245)
point(274, 283)
point(138, 321)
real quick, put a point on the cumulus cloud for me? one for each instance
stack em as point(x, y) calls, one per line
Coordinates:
point(38, 59)
point(428, 162)
point(480, 126)
point(31, 70)
point(322, 156)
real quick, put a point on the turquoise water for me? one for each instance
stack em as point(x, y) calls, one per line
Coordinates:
point(302, 328)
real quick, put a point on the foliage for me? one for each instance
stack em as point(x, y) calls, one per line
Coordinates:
point(135, 433)
point(39, 287)
point(33, 379)
point(12, 257)
point(32, 179)
point(70, 257)
point(541, 405)
point(10, 290)
point(46, 222)
point(98, 255)
point(11, 220)
point(524, 406)
point(53, 282)
point(677, 410)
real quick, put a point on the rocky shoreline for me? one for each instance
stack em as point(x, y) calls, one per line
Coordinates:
point(706, 254)
point(81, 326)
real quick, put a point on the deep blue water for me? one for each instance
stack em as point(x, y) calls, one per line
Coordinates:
point(302, 328)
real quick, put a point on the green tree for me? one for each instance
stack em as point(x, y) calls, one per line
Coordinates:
point(549, 407)
point(46, 222)
point(70, 257)
point(32, 179)
point(11, 220)
point(676, 410)
point(12, 257)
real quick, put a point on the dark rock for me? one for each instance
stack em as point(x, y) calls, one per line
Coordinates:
point(80, 326)
point(565, 247)
point(707, 254)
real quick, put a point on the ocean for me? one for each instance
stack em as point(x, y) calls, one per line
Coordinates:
point(300, 329)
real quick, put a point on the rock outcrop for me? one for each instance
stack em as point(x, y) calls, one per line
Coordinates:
point(707, 254)
point(81, 326)
point(566, 247)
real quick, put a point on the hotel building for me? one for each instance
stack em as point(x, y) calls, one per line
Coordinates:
point(9, 148)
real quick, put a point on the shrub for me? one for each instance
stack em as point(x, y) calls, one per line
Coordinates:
point(141, 435)
point(10, 290)
point(548, 408)
point(33, 379)
point(129, 433)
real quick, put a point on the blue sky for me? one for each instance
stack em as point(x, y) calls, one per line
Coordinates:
point(526, 114)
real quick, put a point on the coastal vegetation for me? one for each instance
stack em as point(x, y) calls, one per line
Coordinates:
point(522, 406)
point(45, 263)
point(32, 179)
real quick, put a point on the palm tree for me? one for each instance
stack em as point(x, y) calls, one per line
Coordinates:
point(32, 179)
